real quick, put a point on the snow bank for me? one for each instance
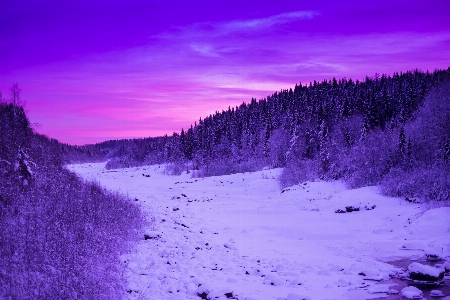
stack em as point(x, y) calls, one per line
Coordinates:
point(435, 222)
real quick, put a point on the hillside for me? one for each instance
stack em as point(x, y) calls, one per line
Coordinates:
point(389, 130)
point(60, 237)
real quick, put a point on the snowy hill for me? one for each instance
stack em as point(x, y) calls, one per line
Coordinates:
point(242, 236)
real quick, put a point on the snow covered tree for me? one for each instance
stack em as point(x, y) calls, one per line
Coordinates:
point(24, 166)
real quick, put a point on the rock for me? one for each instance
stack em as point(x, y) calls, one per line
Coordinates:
point(351, 208)
point(423, 274)
point(411, 292)
point(432, 257)
point(203, 291)
point(446, 266)
point(151, 235)
point(436, 293)
point(220, 294)
point(433, 254)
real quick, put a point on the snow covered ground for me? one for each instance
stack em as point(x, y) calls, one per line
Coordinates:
point(241, 235)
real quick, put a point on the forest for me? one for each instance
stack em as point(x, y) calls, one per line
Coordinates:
point(388, 130)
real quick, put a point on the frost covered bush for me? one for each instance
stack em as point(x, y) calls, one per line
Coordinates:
point(430, 131)
point(298, 171)
point(217, 169)
point(175, 168)
point(60, 237)
point(223, 167)
point(371, 159)
point(427, 184)
point(121, 162)
point(427, 173)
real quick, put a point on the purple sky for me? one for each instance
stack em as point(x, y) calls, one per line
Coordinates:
point(96, 70)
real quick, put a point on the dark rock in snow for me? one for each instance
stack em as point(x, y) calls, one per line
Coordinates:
point(447, 267)
point(152, 235)
point(347, 209)
point(419, 274)
point(351, 208)
point(436, 293)
point(432, 257)
point(412, 200)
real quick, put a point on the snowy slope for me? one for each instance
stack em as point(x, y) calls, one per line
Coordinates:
point(242, 235)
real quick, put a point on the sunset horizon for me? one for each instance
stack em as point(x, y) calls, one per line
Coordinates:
point(95, 72)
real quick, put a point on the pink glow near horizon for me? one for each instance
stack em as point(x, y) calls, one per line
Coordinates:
point(115, 70)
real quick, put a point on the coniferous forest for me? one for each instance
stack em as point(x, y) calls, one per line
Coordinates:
point(388, 130)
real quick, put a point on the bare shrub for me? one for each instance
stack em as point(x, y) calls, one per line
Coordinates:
point(220, 167)
point(426, 184)
point(371, 159)
point(62, 238)
point(175, 169)
point(429, 175)
point(430, 131)
point(299, 171)
point(121, 162)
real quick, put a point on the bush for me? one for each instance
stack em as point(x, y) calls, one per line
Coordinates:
point(430, 131)
point(428, 178)
point(299, 171)
point(61, 239)
point(121, 162)
point(175, 169)
point(371, 159)
point(427, 184)
point(223, 167)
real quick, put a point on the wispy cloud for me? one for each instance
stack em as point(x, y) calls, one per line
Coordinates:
point(257, 24)
point(215, 39)
point(204, 49)
point(217, 29)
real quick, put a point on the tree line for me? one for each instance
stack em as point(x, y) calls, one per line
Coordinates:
point(364, 132)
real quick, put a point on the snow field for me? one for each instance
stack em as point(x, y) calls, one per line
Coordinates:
point(242, 236)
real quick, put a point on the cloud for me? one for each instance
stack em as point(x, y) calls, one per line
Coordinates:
point(263, 23)
point(204, 49)
point(218, 29)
